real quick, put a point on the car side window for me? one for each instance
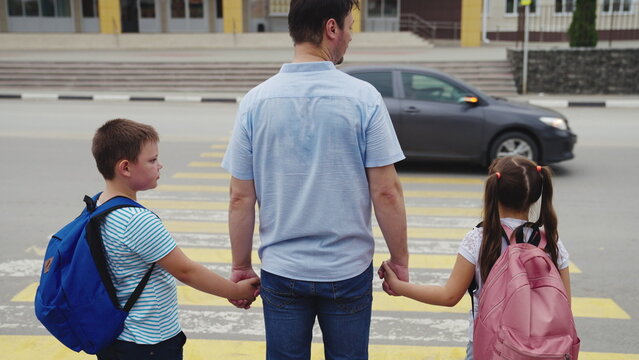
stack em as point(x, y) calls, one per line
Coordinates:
point(424, 87)
point(381, 80)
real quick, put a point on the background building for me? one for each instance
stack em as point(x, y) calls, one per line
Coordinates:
point(198, 16)
point(549, 19)
point(467, 20)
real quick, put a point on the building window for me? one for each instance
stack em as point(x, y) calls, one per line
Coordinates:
point(15, 8)
point(31, 8)
point(375, 8)
point(382, 8)
point(512, 5)
point(617, 6)
point(196, 9)
point(62, 8)
point(564, 6)
point(177, 9)
point(219, 9)
point(48, 8)
point(279, 7)
point(35, 8)
point(90, 8)
point(147, 9)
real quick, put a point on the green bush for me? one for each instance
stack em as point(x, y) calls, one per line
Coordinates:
point(582, 31)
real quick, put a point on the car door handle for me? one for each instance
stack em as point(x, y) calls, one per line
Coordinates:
point(411, 110)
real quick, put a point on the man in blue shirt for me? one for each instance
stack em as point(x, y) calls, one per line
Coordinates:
point(315, 148)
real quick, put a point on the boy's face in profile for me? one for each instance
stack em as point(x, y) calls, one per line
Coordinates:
point(145, 172)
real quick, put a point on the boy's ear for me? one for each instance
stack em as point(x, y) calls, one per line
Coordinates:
point(122, 168)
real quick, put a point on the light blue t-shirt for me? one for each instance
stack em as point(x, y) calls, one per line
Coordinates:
point(306, 136)
point(133, 239)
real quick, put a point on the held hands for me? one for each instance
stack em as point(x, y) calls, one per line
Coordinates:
point(248, 289)
point(249, 284)
point(392, 274)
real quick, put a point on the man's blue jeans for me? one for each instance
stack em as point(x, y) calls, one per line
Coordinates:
point(343, 309)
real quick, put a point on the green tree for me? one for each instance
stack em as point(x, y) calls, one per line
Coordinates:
point(582, 31)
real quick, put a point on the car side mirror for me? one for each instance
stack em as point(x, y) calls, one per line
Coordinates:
point(470, 100)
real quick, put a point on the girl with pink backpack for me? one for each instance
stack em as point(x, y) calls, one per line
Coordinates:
point(513, 321)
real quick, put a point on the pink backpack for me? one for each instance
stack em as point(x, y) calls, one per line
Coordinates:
point(524, 312)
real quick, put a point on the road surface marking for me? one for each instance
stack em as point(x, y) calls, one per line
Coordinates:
point(212, 205)
point(29, 347)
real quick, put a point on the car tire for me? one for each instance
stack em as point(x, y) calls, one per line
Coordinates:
point(514, 143)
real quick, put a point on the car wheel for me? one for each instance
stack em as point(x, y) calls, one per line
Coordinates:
point(514, 143)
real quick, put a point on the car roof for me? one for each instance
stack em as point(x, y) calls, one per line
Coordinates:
point(390, 67)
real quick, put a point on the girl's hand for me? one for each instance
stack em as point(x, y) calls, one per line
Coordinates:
point(391, 277)
point(248, 290)
point(389, 274)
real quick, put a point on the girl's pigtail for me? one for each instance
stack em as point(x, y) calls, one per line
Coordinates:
point(491, 238)
point(548, 217)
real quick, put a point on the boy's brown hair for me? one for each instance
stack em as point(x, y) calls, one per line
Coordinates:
point(120, 139)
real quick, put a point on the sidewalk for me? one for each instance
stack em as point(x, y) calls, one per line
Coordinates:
point(553, 100)
point(358, 53)
point(258, 55)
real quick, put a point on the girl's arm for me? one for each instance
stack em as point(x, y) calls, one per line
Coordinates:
point(199, 277)
point(447, 295)
point(565, 278)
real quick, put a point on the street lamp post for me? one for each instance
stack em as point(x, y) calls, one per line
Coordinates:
point(524, 81)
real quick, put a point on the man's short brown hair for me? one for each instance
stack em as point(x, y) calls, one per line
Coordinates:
point(306, 18)
point(120, 139)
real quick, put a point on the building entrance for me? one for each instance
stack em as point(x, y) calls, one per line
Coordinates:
point(139, 16)
point(189, 16)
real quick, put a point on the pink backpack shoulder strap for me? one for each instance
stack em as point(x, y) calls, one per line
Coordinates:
point(509, 234)
point(513, 239)
point(543, 241)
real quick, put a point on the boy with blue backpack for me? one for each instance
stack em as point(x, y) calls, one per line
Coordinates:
point(141, 260)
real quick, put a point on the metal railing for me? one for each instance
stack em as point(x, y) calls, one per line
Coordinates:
point(429, 29)
point(548, 23)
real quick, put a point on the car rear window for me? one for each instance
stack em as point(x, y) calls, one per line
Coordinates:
point(382, 81)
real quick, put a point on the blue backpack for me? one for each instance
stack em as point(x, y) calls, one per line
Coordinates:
point(76, 299)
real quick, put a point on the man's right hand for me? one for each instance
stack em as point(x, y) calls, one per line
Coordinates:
point(242, 274)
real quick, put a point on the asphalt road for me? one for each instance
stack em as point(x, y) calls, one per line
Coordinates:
point(46, 168)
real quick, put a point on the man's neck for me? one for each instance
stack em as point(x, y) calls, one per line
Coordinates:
point(308, 52)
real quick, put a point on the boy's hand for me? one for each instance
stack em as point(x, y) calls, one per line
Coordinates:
point(238, 275)
point(392, 273)
point(248, 289)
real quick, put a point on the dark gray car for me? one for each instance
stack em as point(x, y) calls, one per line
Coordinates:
point(438, 117)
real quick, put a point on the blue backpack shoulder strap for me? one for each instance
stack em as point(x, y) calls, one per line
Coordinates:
point(94, 238)
point(110, 205)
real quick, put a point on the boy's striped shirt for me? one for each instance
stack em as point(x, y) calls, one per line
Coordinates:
point(134, 238)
